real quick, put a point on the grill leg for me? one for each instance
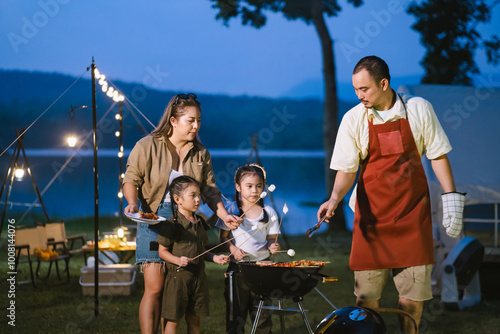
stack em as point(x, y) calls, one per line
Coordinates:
point(282, 318)
point(309, 330)
point(231, 295)
point(257, 316)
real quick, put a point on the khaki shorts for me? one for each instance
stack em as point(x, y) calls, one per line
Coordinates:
point(183, 292)
point(413, 283)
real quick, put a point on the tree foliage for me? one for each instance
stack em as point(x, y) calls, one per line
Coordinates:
point(252, 11)
point(448, 32)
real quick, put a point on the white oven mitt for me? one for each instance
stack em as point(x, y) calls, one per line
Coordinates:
point(453, 212)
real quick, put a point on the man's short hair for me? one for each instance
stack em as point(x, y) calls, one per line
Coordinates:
point(377, 68)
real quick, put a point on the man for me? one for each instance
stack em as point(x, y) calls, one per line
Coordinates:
point(385, 136)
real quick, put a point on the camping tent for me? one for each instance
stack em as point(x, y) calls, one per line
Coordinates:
point(470, 116)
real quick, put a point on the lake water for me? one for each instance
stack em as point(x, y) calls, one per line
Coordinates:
point(297, 175)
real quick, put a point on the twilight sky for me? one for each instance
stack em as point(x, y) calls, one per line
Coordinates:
point(178, 45)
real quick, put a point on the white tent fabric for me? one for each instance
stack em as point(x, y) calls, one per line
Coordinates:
point(470, 116)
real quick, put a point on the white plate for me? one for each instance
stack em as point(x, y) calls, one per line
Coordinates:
point(137, 218)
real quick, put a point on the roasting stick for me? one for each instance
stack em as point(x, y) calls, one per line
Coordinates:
point(285, 210)
point(271, 188)
point(289, 252)
point(256, 231)
point(220, 244)
point(262, 195)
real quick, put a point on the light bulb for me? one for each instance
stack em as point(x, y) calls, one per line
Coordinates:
point(117, 134)
point(102, 77)
point(120, 194)
point(121, 233)
point(120, 154)
point(110, 91)
point(71, 141)
point(104, 88)
point(121, 98)
point(118, 117)
point(18, 174)
point(115, 97)
point(96, 73)
point(122, 175)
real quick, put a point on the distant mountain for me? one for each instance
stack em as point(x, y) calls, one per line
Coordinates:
point(227, 121)
point(313, 88)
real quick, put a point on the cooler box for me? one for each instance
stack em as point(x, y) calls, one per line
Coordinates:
point(114, 280)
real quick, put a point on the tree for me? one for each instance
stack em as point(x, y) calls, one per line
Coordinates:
point(448, 32)
point(313, 11)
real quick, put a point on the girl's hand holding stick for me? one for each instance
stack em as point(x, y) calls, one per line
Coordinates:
point(184, 261)
point(274, 248)
point(262, 195)
point(220, 259)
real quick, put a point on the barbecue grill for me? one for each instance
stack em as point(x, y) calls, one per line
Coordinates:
point(269, 282)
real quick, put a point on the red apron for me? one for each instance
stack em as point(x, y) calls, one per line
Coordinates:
point(392, 221)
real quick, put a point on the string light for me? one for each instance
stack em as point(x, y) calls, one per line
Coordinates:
point(115, 94)
point(110, 91)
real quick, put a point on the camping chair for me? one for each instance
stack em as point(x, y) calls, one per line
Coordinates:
point(57, 232)
point(27, 240)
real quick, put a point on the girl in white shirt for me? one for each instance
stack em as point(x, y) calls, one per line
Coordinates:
point(253, 240)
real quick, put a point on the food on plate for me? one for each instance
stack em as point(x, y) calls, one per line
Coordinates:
point(300, 263)
point(148, 215)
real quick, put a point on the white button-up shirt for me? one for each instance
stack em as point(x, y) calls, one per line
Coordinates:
point(352, 144)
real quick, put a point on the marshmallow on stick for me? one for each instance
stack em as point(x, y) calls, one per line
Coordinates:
point(289, 252)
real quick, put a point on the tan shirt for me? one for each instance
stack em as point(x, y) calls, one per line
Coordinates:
point(149, 166)
point(351, 146)
point(181, 237)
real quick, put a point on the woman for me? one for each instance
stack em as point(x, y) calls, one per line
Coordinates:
point(172, 149)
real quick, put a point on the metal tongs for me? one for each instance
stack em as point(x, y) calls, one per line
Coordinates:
point(311, 231)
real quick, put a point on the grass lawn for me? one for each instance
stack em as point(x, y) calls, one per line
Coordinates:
point(57, 307)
